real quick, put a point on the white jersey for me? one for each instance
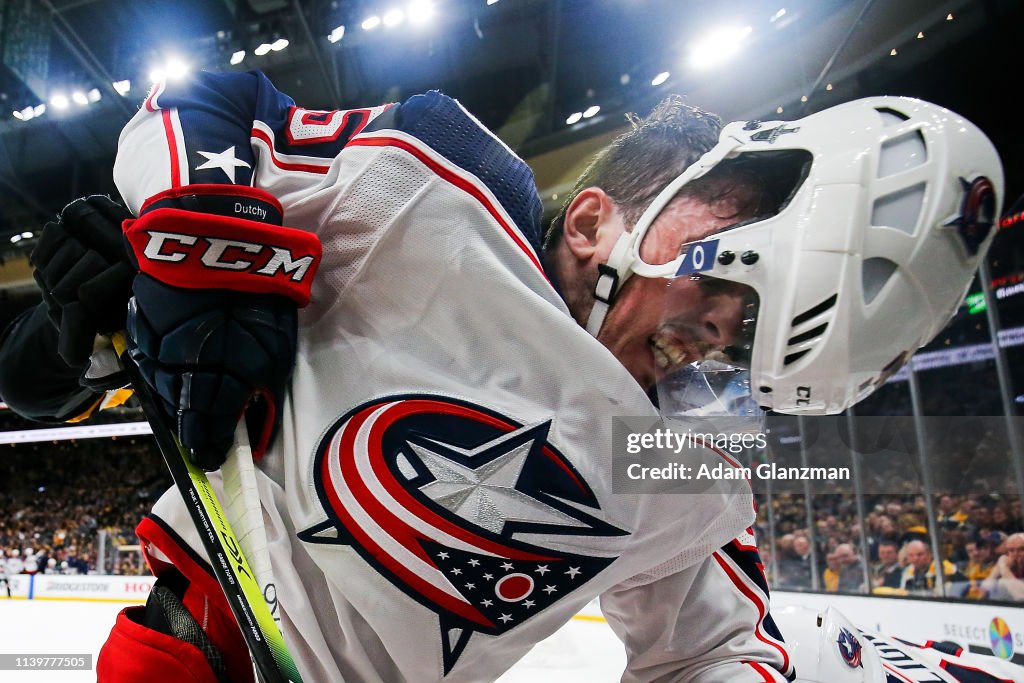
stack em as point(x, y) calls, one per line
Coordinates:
point(439, 497)
point(14, 565)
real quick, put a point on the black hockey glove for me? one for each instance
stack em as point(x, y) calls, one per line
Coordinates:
point(83, 270)
point(213, 319)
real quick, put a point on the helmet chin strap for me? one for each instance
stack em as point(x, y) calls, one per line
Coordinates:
point(611, 276)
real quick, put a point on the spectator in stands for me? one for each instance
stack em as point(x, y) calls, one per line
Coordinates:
point(888, 572)
point(980, 562)
point(1001, 520)
point(795, 568)
point(948, 515)
point(1006, 580)
point(953, 545)
point(845, 573)
point(913, 528)
point(886, 530)
point(980, 520)
point(919, 574)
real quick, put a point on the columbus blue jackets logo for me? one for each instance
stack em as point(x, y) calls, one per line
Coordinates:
point(850, 648)
point(977, 213)
point(436, 494)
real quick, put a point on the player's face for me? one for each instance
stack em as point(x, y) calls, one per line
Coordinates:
point(704, 315)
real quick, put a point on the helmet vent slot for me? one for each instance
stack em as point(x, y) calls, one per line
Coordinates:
point(815, 310)
point(891, 117)
point(902, 153)
point(795, 356)
point(899, 210)
point(809, 334)
point(875, 272)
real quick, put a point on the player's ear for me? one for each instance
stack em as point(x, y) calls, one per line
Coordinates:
point(590, 221)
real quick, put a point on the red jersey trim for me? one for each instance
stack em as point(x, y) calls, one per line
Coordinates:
point(762, 610)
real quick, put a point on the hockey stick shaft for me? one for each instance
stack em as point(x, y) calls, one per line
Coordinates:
point(273, 661)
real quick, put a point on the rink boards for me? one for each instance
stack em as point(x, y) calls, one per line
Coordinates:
point(53, 613)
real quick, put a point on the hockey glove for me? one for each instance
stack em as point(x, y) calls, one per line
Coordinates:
point(213, 319)
point(85, 275)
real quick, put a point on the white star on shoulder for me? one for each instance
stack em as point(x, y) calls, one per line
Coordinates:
point(542, 569)
point(225, 161)
point(572, 572)
point(505, 618)
point(486, 494)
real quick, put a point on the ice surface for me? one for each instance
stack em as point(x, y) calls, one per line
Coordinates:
point(584, 651)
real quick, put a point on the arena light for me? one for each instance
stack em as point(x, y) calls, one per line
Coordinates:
point(337, 34)
point(237, 57)
point(60, 101)
point(660, 78)
point(39, 109)
point(279, 44)
point(122, 87)
point(371, 22)
point(14, 240)
point(79, 98)
point(393, 17)
point(29, 113)
point(262, 49)
point(94, 95)
point(574, 118)
point(591, 111)
point(27, 234)
point(420, 11)
point(492, 2)
point(68, 433)
point(778, 15)
point(175, 68)
point(718, 46)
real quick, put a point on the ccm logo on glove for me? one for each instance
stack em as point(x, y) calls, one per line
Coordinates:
point(280, 260)
point(194, 238)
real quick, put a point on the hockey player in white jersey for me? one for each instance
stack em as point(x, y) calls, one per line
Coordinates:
point(436, 470)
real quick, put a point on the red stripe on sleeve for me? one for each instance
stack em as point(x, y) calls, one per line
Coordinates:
point(172, 148)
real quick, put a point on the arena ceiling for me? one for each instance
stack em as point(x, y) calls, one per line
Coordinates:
point(522, 66)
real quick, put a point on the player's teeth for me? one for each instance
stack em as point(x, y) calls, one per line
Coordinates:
point(666, 352)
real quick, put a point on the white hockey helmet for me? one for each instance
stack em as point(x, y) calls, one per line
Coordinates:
point(868, 257)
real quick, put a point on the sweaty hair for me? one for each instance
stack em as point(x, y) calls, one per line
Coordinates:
point(643, 160)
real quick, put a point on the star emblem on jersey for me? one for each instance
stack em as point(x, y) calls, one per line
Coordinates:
point(225, 161)
point(440, 497)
